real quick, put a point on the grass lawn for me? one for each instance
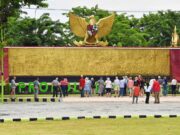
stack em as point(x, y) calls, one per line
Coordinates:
point(133, 126)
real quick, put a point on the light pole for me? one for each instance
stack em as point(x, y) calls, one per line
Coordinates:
point(2, 76)
point(2, 56)
point(2, 72)
point(2, 65)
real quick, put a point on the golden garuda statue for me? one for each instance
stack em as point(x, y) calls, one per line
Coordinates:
point(91, 31)
point(175, 38)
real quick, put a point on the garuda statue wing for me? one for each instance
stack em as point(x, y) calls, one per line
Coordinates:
point(78, 25)
point(105, 25)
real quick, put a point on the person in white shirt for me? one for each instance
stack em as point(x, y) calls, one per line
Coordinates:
point(13, 87)
point(55, 84)
point(108, 86)
point(173, 86)
point(116, 86)
point(151, 82)
point(147, 89)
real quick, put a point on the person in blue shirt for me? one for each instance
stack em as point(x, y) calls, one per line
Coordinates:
point(165, 84)
point(36, 88)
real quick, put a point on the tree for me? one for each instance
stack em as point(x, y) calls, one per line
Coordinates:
point(154, 29)
point(150, 30)
point(31, 32)
point(51, 33)
point(159, 27)
point(124, 32)
point(12, 8)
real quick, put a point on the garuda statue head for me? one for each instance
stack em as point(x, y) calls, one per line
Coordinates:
point(91, 31)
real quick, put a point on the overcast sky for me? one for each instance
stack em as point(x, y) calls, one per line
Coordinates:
point(113, 5)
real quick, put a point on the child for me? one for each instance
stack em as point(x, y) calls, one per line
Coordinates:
point(147, 89)
point(136, 91)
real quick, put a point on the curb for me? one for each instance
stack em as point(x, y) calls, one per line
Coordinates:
point(18, 100)
point(89, 117)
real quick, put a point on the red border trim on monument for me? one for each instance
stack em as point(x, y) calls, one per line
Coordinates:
point(6, 64)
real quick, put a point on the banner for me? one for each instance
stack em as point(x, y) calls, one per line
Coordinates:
point(175, 63)
point(6, 65)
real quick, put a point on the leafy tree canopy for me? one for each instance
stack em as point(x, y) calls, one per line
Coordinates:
point(12, 8)
point(9, 8)
point(154, 29)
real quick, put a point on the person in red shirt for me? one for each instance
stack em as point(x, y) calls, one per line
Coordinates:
point(136, 91)
point(156, 90)
point(64, 86)
point(81, 85)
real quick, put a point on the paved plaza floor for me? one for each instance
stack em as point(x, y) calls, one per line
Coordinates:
point(102, 106)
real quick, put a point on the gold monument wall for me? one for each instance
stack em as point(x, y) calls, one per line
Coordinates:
point(87, 61)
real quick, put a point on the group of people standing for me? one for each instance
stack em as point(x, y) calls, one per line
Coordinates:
point(61, 86)
point(86, 86)
point(122, 86)
point(58, 87)
point(125, 86)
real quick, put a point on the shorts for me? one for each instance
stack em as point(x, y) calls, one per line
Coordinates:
point(87, 90)
point(13, 87)
point(130, 90)
point(36, 91)
point(108, 90)
point(116, 88)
